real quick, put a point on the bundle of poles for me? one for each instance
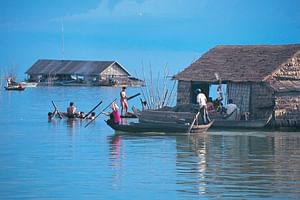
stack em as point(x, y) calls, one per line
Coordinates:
point(157, 92)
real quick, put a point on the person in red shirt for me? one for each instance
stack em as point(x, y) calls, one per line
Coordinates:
point(115, 116)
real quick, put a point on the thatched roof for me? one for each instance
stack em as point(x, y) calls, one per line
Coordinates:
point(286, 86)
point(73, 67)
point(238, 63)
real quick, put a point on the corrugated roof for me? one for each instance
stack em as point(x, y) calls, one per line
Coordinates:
point(238, 63)
point(45, 66)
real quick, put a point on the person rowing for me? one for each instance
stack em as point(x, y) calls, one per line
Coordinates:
point(201, 101)
point(115, 117)
point(71, 111)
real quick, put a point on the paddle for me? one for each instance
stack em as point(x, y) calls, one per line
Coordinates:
point(195, 118)
point(99, 113)
point(131, 97)
point(55, 107)
point(92, 110)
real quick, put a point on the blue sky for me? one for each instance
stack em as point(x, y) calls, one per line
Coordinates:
point(138, 33)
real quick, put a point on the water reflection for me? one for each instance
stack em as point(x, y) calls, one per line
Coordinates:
point(115, 153)
point(238, 166)
point(115, 145)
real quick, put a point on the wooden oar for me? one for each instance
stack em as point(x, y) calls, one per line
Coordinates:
point(100, 113)
point(195, 118)
point(131, 97)
point(56, 108)
point(92, 110)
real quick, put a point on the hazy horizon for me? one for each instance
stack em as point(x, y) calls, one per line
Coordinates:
point(138, 33)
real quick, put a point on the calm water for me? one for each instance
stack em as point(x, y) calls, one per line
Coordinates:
point(64, 160)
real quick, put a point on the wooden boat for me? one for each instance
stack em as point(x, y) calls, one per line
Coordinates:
point(28, 84)
point(15, 87)
point(139, 127)
point(167, 116)
point(164, 116)
point(240, 124)
point(129, 115)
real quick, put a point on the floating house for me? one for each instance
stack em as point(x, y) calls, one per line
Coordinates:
point(75, 72)
point(262, 80)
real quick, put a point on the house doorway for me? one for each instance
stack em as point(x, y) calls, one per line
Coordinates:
point(210, 90)
point(198, 85)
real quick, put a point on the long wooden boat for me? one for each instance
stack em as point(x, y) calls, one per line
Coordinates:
point(240, 124)
point(139, 127)
point(129, 115)
point(167, 116)
point(164, 116)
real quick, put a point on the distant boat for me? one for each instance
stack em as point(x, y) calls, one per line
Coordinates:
point(26, 84)
point(15, 87)
point(11, 84)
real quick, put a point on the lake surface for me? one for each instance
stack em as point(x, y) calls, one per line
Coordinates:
point(64, 160)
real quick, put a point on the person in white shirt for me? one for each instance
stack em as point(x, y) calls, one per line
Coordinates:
point(232, 111)
point(201, 100)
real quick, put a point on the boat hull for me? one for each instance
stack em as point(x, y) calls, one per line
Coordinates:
point(139, 127)
point(156, 116)
point(17, 88)
point(239, 124)
point(29, 84)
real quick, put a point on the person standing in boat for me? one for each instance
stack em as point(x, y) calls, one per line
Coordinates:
point(71, 111)
point(201, 100)
point(124, 104)
point(8, 82)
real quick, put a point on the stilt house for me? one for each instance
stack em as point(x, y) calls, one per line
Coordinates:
point(263, 80)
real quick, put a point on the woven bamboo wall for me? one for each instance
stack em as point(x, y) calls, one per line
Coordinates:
point(262, 103)
point(287, 109)
point(287, 101)
point(240, 94)
point(183, 92)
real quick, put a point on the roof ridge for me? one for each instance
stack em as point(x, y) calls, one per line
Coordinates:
point(257, 45)
point(68, 60)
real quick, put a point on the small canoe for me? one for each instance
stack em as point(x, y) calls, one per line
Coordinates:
point(139, 127)
point(14, 87)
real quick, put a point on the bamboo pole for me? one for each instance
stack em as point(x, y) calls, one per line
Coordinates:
point(164, 92)
point(170, 101)
point(147, 96)
point(158, 100)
